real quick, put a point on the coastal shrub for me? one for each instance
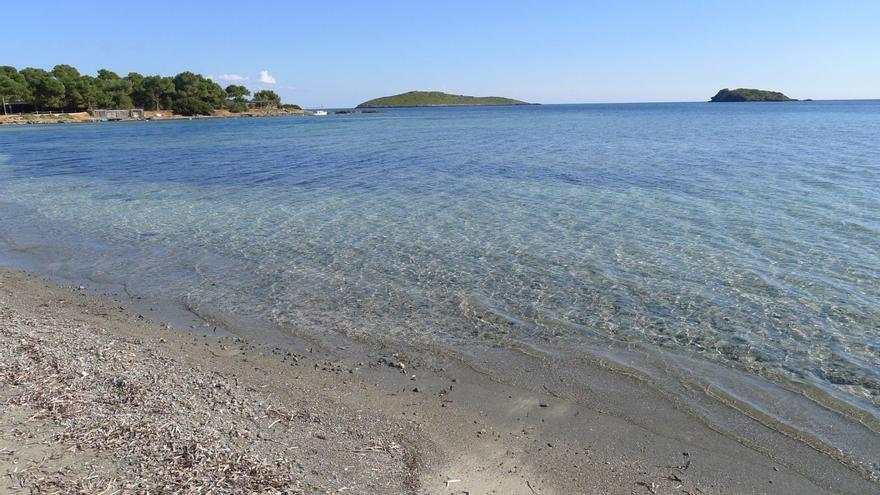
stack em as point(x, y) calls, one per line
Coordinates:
point(192, 106)
point(64, 88)
point(267, 98)
point(237, 106)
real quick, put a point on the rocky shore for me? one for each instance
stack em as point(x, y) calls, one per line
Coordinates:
point(85, 117)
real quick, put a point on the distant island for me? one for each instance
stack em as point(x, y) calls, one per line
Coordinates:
point(747, 94)
point(436, 99)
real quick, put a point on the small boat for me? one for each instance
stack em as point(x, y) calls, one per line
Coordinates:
point(319, 112)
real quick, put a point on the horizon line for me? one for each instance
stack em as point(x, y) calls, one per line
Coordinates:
point(804, 100)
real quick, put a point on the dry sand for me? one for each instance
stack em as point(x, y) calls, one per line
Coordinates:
point(96, 398)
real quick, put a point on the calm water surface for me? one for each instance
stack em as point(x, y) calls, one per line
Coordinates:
point(744, 234)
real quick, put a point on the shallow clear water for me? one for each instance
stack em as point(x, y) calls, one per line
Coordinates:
point(747, 234)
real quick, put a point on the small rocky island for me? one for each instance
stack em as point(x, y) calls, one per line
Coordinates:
point(747, 94)
point(436, 99)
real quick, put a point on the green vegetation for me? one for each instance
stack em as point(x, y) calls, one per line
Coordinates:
point(65, 89)
point(267, 98)
point(436, 99)
point(190, 105)
point(237, 98)
point(237, 93)
point(746, 94)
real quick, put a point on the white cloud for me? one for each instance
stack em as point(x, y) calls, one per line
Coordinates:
point(230, 78)
point(265, 78)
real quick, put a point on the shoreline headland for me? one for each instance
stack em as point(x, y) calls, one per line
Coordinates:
point(161, 115)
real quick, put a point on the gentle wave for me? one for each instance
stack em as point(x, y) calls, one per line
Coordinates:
point(743, 235)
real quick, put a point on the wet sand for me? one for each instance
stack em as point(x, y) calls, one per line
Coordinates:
point(98, 396)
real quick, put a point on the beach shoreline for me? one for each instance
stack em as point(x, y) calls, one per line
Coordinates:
point(429, 422)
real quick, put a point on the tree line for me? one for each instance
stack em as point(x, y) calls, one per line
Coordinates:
point(65, 89)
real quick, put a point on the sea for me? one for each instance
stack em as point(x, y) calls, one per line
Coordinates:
point(744, 236)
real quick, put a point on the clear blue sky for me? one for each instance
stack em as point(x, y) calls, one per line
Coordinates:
point(339, 53)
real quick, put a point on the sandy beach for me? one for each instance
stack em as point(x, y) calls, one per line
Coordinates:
point(491, 248)
point(98, 398)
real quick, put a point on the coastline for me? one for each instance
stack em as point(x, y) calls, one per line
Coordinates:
point(373, 425)
point(154, 116)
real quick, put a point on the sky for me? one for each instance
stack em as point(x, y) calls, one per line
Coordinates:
point(340, 53)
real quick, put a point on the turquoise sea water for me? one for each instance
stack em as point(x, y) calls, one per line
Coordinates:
point(743, 234)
